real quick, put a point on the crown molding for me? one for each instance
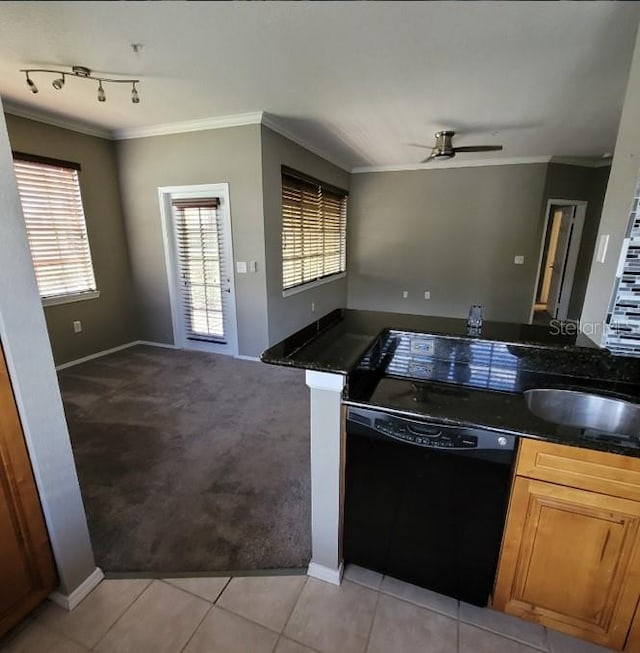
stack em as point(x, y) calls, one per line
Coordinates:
point(583, 162)
point(201, 124)
point(476, 163)
point(274, 125)
point(55, 120)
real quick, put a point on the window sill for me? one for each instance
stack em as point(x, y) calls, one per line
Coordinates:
point(71, 298)
point(313, 284)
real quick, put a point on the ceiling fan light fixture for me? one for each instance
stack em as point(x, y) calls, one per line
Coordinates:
point(135, 97)
point(101, 94)
point(444, 150)
point(58, 83)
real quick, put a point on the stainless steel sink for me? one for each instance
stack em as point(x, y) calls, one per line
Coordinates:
point(584, 410)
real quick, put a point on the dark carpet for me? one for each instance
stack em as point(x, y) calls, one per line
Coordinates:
point(190, 461)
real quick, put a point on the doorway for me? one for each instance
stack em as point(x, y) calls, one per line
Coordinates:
point(564, 222)
point(199, 256)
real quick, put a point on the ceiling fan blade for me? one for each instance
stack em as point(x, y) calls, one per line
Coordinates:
point(426, 147)
point(478, 148)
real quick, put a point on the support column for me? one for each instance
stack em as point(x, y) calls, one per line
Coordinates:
point(327, 475)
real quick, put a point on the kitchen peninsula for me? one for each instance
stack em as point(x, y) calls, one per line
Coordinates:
point(420, 367)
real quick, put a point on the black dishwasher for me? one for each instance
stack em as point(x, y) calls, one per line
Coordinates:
point(426, 502)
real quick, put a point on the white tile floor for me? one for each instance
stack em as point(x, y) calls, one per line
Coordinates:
point(279, 614)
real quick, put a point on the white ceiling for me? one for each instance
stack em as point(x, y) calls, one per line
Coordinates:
point(356, 81)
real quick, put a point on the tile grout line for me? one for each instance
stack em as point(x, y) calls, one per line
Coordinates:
point(511, 638)
point(295, 603)
point(95, 646)
point(195, 630)
point(373, 619)
point(241, 616)
point(167, 581)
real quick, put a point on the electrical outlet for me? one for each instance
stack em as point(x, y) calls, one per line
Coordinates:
point(422, 346)
point(421, 370)
point(405, 294)
point(518, 260)
point(427, 294)
point(241, 267)
point(77, 326)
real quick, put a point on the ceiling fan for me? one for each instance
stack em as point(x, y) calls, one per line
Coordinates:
point(443, 148)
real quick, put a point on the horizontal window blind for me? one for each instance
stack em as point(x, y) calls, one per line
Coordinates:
point(201, 267)
point(56, 228)
point(314, 222)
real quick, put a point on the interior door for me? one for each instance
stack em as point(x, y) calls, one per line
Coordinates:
point(27, 571)
point(204, 313)
point(565, 229)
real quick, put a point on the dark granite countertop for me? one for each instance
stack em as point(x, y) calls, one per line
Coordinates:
point(337, 341)
point(465, 380)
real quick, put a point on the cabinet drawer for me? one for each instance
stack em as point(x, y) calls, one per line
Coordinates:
point(598, 471)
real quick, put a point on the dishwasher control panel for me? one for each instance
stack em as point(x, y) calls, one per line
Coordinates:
point(429, 434)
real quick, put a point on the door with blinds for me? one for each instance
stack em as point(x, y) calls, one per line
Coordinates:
point(200, 261)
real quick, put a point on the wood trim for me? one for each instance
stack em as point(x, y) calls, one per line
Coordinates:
point(45, 160)
point(632, 644)
point(19, 487)
point(597, 471)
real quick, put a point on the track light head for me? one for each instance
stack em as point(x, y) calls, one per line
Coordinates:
point(135, 97)
point(31, 84)
point(101, 94)
point(58, 83)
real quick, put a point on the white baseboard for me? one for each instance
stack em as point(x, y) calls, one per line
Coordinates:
point(327, 574)
point(98, 354)
point(113, 350)
point(164, 345)
point(70, 601)
point(242, 357)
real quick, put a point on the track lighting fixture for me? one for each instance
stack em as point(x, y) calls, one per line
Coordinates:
point(31, 84)
point(83, 73)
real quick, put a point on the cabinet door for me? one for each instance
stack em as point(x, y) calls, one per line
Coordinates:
point(27, 572)
point(570, 561)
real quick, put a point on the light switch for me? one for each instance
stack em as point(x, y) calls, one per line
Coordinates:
point(253, 266)
point(405, 294)
point(603, 244)
point(518, 260)
point(241, 267)
point(427, 294)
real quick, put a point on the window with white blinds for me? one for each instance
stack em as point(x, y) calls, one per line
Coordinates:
point(56, 229)
point(201, 268)
point(314, 225)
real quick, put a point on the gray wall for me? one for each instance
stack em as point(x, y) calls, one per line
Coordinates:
point(215, 156)
point(109, 320)
point(288, 314)
point(24, 339)
point(454, 232)
point(617, 202)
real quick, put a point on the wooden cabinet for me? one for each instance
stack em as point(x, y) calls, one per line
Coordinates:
point(570, 555)
point(27, 572)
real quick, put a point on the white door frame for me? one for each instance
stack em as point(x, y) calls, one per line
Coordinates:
point(165, 193)
point(572, 254)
